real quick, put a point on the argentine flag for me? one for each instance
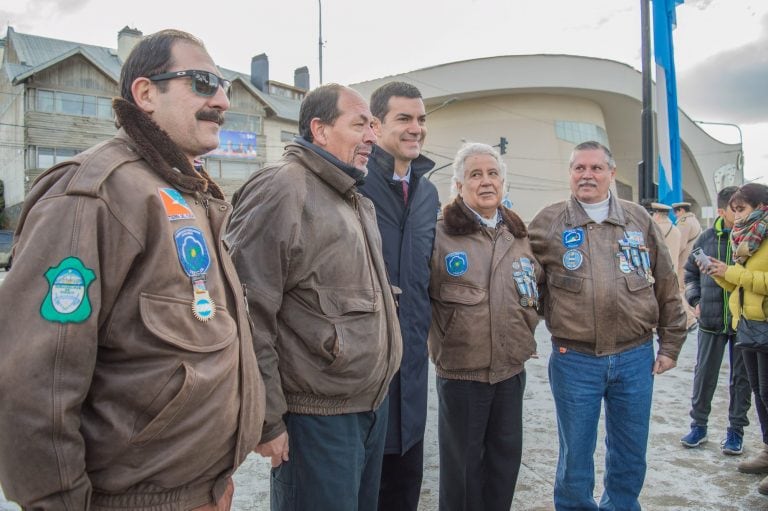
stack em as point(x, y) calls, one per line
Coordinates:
point(667, 125)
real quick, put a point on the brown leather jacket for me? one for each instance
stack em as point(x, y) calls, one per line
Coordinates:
point(307, 246)
point(595, 303)
point(480, 329)
point(129, 401)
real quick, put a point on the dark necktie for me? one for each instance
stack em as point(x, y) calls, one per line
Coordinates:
point(405, 190)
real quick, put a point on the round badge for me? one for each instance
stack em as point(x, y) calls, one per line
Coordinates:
point(573, 238)
point(572, 259)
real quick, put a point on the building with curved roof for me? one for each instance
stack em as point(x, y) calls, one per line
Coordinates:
point(543, 105)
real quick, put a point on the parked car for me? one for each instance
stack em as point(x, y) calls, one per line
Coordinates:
point(6, 241)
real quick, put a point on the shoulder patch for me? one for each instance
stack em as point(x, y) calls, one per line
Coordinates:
point(67, 300)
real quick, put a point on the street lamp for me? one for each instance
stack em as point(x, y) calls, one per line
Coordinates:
point(740, 156)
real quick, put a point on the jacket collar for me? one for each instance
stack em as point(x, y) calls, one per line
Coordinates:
point(460, 220)
point(576, 216)
point(720, 227)
point(314, 162)
point(357, 175)
point(384, 163)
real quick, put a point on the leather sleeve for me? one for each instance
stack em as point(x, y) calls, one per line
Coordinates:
point(48, 358)
point(262, 235)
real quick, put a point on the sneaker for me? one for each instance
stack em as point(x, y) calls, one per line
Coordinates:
point(696, 437)
point(733, 443)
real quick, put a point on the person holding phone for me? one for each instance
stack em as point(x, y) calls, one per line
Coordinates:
point(749, 274)
point(715, 334)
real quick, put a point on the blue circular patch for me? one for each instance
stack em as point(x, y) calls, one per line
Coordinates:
point(456, 263)
point(572, 259)
point(573, 238)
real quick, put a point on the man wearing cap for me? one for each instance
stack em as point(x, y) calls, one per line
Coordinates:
point(672, 236)
point(609, 284)
point(690, 229)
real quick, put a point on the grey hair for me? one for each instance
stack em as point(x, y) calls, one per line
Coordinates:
point(474, 149)
point(591, 145)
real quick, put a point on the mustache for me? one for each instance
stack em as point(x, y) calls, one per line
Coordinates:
point(587, 182)
point(210, 115)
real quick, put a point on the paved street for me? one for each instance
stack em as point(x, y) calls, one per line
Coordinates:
point(700, 479)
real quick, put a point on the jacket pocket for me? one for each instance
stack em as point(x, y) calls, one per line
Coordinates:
point(637, 296)
point(171, 320)
point(465, 343)
point(460, 293)
point(180, 341)
point(568, 307)
point(354, 314)
point(166, 405)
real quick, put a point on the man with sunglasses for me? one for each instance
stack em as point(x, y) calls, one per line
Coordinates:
point(129, 378)
point(307, 247)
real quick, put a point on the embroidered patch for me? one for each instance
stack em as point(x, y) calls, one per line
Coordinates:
point(175, 206)
point(572, 259)
point(67, 299)
point(573, 238)
point(456, 263)
point(635, 236)
point(192, 250)
point(623, 263)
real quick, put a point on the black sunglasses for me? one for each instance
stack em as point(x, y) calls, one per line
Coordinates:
point(204, 83)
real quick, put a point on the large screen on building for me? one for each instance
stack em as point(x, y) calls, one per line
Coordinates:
point(236, 144)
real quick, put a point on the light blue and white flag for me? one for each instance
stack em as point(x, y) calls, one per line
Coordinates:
point(668, 128)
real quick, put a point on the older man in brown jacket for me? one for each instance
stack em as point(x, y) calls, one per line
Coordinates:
point(307, 247)
point(609, 283)
point(128, 374)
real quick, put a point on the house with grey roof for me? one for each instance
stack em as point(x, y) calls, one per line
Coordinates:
point(56, 101)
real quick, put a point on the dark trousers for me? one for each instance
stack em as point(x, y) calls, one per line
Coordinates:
point(709, 358)
point(757, 371)
point(335, 462)
point(480, 433)
point(401, 480)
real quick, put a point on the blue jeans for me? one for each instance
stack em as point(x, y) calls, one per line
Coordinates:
point(334, 462)
point(580, 384)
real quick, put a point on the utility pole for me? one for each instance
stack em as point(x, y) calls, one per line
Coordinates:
point(646, 192)
point(320, 37)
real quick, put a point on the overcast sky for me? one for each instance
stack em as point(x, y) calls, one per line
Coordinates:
point(721, 45)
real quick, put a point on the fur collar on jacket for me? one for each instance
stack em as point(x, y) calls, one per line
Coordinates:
point(160, 152)
point(460, 220)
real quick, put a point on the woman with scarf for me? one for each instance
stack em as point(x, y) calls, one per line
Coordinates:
point(747, 281)
point(484, 298)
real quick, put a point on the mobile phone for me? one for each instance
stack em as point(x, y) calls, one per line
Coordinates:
point(700, 257)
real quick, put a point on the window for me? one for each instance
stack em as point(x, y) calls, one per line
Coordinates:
point(578, 132)
point(243, 122)
point(44, 157)
point(287, 136)
point(44, 101)
point(68, 103)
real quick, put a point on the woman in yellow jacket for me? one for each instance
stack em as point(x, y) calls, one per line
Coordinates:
point(747, 281)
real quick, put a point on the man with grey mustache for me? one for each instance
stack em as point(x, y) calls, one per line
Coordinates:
point(610, 281)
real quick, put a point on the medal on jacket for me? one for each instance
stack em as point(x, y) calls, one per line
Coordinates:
point(525, 279)
point(195, 260)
